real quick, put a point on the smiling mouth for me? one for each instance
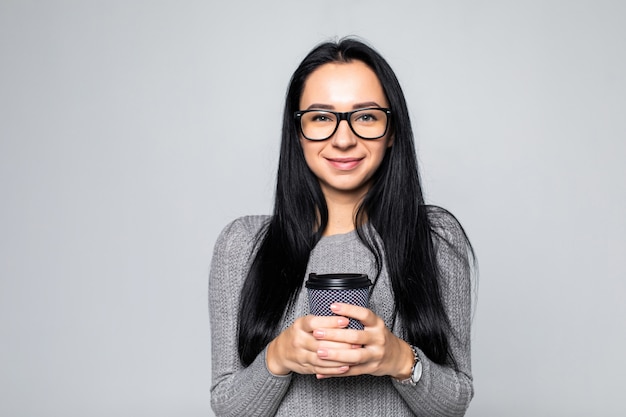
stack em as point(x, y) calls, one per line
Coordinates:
point(344, 164)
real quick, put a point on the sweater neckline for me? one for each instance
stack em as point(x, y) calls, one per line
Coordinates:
point(341, 237)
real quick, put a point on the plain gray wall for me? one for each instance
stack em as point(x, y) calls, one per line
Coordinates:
point(131, 132)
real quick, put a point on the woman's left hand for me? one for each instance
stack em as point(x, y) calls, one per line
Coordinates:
point(381, 352)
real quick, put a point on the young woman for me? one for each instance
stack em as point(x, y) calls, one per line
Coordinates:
point(348, 199)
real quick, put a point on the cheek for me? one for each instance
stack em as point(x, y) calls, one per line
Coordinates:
point(379, 153)
point(310, 151)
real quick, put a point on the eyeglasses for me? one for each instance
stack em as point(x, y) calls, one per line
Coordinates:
point(370, 123)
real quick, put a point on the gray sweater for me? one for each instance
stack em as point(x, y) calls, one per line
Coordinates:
point(254, 391)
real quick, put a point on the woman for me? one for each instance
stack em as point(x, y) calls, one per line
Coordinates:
point(348, 199)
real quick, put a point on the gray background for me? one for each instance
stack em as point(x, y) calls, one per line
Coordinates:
point(131, 132)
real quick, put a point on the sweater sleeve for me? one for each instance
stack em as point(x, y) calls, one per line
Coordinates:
point(444, 390)
point(237, 390)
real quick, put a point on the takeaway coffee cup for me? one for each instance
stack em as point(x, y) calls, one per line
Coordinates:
point(325, 289)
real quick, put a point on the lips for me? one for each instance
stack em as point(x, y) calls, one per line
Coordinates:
point(344, 164)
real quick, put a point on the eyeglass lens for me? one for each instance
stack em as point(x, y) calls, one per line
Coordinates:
point(366, 123)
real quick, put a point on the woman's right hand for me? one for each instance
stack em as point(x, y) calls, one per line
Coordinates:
point(297, 350)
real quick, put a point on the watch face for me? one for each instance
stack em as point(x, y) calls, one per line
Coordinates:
point(417, 372)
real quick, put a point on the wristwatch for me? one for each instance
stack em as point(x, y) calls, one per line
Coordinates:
point(416, 370)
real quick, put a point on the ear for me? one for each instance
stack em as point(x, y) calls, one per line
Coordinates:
point(390, 141)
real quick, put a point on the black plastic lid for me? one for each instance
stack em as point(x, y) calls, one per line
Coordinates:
point(337, 281)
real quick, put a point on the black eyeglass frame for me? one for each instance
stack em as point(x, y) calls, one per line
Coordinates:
point(342, 116)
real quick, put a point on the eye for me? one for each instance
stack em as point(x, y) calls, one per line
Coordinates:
point(321, 117)
point(366, 117)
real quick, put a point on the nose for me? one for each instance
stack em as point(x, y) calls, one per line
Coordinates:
point(344, 137)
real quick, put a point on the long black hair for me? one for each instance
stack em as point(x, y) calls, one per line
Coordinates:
point(393, 207)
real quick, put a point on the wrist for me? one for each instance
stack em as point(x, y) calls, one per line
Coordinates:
point(415, 374)
point(405, 365)
point(272, 360)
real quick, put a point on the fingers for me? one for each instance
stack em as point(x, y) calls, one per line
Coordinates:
point(363, 360)
point(362, 314)
point(296, 349)
point(341, 356)
point(310, 323)
point(322, 345)
point(356, 338)
point(374, 326)
point(328, 344)
point(372, 351)
point(322, 373)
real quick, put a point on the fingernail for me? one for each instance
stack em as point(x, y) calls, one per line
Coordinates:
point(322, 353)
point(335, 307)
point(342, 321)
point(318, 333)
point(344, 368)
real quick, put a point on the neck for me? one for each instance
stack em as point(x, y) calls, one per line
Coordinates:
point(342, 208)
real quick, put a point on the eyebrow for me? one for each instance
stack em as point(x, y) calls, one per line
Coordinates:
point(356, 106)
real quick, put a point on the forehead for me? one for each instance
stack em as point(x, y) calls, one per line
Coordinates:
point(342, 84)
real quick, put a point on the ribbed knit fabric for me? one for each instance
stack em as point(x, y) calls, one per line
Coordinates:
point(253, 391)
